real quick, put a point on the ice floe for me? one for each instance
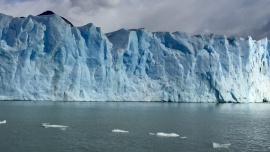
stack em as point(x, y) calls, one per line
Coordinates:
point(3, 122)
point(47, 125)
point(120, 131)
point(217, 145)
point(162, 134)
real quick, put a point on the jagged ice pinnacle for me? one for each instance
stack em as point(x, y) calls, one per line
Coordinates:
point(45, 58)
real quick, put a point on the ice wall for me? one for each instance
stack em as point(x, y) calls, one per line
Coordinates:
point(44, 58)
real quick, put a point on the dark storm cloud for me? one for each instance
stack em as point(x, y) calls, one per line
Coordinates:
point(230, 17)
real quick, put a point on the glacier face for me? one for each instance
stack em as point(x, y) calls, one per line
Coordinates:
point(44, 58)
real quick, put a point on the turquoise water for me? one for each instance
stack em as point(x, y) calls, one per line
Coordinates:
point(245, 126)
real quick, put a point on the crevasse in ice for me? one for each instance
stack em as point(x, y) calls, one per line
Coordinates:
point(44, 58)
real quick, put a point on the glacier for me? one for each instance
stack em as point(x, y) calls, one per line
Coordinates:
point(45, 58)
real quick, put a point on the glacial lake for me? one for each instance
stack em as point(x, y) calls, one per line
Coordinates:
point(246, 127)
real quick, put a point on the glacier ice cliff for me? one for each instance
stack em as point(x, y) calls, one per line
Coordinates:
point(44, 58)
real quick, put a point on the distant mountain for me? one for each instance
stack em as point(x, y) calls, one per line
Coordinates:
point(52, 13)
point(46, 13)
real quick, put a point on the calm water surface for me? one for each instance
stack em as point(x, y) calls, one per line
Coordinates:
point(245, 126)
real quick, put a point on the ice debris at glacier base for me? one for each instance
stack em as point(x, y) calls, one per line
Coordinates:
point(44, 58)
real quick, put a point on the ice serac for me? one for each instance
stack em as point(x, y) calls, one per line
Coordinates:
point(45, 58)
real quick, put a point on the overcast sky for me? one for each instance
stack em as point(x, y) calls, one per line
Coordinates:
point(229, 17)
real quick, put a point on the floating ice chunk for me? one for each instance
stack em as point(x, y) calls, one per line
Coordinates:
point(120, 131)
point(161, 134)
point(167, 134)
point(47, 125)
point(3, 122)
point(217, 145)
point(183, 137)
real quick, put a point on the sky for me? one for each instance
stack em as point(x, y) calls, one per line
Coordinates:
point(228, 17)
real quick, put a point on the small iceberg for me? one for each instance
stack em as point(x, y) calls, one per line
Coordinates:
point(3, 122)
point(150, 133)
point(47, 125)
point(120, 131)
point(217, 145)
point(161, 134)
point(184, 137)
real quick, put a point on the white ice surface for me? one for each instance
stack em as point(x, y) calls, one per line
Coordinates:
point(47, 125)
point(161, 134)
point(3, 122)
point(44, 58)
point(119, 131)
point(217, 145)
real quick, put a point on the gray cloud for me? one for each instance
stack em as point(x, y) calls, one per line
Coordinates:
point(93, 6)
point(88, 5)
point(230, 17)
point(260, 32)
